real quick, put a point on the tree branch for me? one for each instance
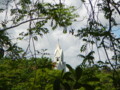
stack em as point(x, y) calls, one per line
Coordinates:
point(20, 23)
point(113, 4)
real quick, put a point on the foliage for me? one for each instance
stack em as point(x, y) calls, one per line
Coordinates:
point(99, 33)
point(88, 78)
point(17, 72)
point(24, 74)
point(36, 15)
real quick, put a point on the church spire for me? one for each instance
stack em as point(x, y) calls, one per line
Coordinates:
point(58, 40)
point(58, 58)
point(58, 45)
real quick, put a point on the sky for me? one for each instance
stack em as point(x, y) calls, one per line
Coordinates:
point(69, 43)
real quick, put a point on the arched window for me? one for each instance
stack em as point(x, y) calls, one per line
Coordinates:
point(57, 58)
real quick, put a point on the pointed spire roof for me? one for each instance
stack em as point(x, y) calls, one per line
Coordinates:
point(58, 45)
point(58, 50)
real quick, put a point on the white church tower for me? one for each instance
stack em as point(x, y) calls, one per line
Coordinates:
point(58, 58)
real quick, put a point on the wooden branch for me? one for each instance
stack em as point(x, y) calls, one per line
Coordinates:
point(21, 23)
point(117, 9)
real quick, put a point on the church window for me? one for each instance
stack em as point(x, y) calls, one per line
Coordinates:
point(57, 59)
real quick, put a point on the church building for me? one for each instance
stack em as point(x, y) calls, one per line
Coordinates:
point(59, 58)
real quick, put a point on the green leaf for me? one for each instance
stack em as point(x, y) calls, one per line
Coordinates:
point(70, 68)
point(26, 1)
point(83, 48)
point(1, 53)
point(3, 24)
point(78, 72)
point(88, 87)
point(1, 10)
point(84, 39)
point(64, 31)
point(56, 85)
point(67, 76)
point(83, 0)
point(77, 85)
point(93, 79)
point(35, 38)
point(66, 86)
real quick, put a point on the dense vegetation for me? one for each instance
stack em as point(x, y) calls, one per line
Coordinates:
point(20, 72)
point(39, 74)
point(27, 74)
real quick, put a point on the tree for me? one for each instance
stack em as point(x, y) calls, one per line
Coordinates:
point(88, 58)
point(78, 78)
point(100, 34)
point(36, 14)
point(23, 74)
point(30, 74)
